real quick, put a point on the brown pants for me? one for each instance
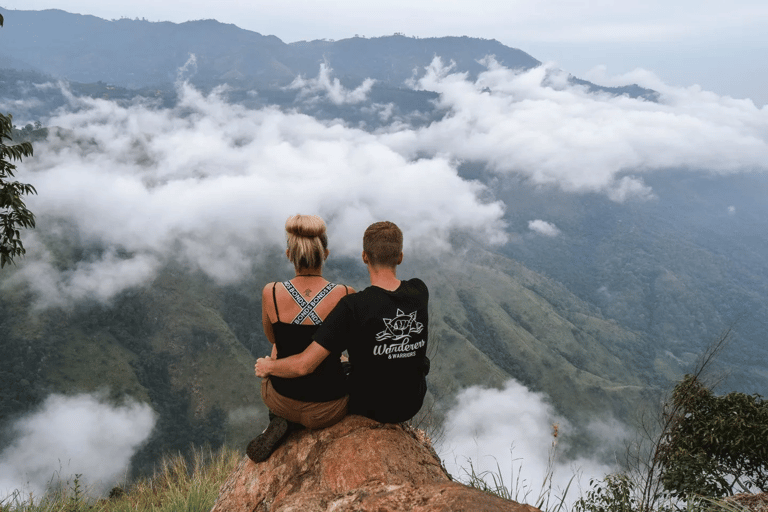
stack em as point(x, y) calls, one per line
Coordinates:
point(309, 414)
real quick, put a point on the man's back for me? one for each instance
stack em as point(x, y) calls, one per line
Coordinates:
point(385, 333)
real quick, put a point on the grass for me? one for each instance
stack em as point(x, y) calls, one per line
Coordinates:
point(519, 489)
point(178, 485)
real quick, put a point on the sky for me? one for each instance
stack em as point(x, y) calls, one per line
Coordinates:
point(718, 45)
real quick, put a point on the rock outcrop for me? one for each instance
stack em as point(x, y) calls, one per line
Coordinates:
point(356, 465)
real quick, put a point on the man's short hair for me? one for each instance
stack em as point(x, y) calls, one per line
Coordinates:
point(383, 243)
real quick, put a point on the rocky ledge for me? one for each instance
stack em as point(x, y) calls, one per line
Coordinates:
point(356, 465)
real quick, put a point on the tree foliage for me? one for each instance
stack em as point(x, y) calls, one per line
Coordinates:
point(716, 446)
point(13, 212)
point(612, 494)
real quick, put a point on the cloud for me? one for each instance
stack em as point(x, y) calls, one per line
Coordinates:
point(510, 433)
point(16, 105)
point(74, 435)
point(535, 124)
point(326, 87)
point(210, 184)
point(100, 278)
point(543, 228)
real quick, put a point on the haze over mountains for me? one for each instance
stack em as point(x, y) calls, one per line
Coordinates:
point(586, 242)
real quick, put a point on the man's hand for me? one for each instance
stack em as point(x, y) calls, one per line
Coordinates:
point(263, 367)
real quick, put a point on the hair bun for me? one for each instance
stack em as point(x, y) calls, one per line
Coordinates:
point(308, 226)
point(307, 241)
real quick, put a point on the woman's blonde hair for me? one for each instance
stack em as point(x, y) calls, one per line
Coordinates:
point(307, 241)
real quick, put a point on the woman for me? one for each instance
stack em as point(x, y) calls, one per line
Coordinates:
point(291, 312)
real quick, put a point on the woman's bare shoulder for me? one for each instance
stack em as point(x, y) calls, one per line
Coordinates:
point(268, 288)
point(345, 289)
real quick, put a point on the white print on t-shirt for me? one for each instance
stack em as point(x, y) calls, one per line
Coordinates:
point(397, 350)
point(399, 329)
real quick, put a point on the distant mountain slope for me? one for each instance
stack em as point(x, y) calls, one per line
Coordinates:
point(395, 59)
point(680, 269)
point(138, 53)
point(532, 329)
point(131, 52)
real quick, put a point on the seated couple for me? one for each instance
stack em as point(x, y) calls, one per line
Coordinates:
point(310, 322)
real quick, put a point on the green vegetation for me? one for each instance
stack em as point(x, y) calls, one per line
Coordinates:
point(13, 212)
point(614, 493)
point(179, 485)
point(716, 446)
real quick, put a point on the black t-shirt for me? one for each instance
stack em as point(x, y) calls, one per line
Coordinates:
point(385, 333)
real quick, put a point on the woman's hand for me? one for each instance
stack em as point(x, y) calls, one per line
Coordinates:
point(263, 367)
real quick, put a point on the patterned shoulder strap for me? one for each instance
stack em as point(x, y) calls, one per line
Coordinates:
point(307, 308)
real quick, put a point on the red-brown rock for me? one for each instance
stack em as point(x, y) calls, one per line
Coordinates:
point(356, 465)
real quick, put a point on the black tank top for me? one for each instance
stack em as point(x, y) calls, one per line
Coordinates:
point(327, 382)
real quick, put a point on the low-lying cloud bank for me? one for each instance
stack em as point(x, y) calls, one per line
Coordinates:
point(209, 184)
point(535, 124)
point(74, 435)
point(515, 435)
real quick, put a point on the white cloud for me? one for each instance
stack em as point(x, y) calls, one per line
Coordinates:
point(325, 86)
point(74, 435)
point(509, 433)
point(543, 228)
point(210, 184)
point(16, 105)
point(534, 124)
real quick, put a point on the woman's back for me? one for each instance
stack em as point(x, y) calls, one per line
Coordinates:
point(292, 312)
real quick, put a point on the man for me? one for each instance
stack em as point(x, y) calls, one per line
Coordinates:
point(384, 330)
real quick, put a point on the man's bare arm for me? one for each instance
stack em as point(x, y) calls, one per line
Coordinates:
point(293, 366)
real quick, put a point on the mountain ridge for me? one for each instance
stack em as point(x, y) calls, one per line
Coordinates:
point(140, 53)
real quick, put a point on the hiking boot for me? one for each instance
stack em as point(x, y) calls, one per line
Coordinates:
point(261, 447)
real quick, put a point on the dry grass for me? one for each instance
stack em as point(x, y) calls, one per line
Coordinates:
point(179, 485)
point(750, 502)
